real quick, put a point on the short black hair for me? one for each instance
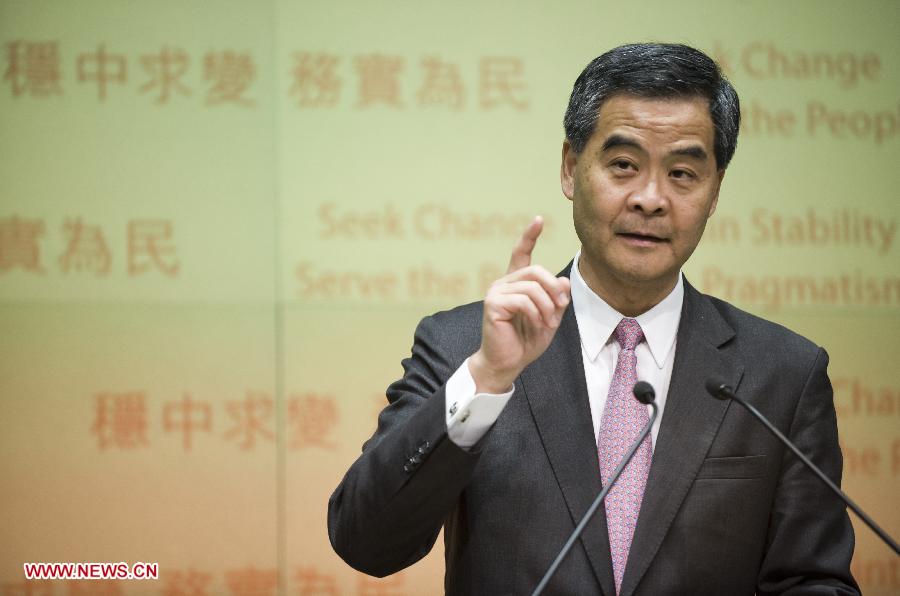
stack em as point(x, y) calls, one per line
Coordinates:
point(654, 70)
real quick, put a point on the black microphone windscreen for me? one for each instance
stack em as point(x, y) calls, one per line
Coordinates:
point(644, 392)
point(718, 389)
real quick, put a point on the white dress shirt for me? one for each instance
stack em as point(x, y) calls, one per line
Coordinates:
point(470, 415)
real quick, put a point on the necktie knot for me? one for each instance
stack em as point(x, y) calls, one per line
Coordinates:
point(629, 333)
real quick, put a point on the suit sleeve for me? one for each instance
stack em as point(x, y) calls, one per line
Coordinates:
point(810, 538)
point(388, 510)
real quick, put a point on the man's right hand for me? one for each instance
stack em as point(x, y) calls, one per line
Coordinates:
point(522, 311)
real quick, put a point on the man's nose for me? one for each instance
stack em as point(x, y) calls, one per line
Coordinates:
point(650, 197)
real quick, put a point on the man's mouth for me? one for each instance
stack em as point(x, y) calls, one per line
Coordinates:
point(641, 237)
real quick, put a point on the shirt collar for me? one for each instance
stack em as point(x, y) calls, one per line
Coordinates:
point(597, 320)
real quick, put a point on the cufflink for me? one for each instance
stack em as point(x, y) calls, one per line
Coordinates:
point(465, 416)
point(453, 409)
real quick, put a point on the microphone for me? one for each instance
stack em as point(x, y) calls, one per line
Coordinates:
point(718, 389)
point(645, 394)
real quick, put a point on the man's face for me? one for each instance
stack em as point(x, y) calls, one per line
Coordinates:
point(642, 190)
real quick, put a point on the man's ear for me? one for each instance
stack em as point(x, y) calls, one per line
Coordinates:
point(567, 170)
point(715, 201)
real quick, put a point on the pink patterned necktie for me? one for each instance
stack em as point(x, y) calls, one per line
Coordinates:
point(621, 424)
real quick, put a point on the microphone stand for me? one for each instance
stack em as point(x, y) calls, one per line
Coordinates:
point(593, 508)
point(723, 391)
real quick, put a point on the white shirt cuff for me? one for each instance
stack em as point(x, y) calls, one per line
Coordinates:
point(470, 414)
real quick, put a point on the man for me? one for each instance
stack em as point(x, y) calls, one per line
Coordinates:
point(513, 412)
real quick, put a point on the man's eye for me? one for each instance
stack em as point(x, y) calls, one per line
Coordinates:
point(622, 164)
point(681, 174)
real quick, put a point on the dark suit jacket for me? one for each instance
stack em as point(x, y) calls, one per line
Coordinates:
point(727, 509)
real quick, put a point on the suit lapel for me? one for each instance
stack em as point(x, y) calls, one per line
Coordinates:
point(555, 388)
point(689, 425)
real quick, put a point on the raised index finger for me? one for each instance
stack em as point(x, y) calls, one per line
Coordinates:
point(521, 253)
